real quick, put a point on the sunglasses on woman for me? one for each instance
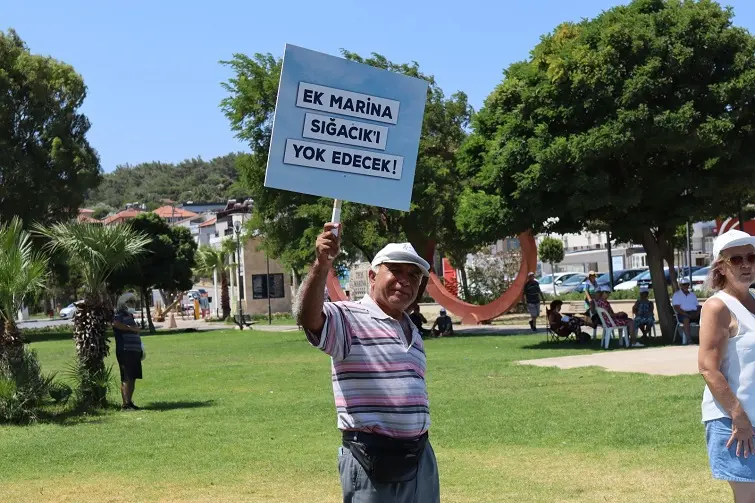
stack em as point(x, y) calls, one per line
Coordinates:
point(738, 260)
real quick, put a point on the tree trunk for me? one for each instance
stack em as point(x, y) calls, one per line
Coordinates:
point(464, 282)
point(90, 324)
point(11, 340)
point(654, 244)
point(149, 314)
point(225, 301)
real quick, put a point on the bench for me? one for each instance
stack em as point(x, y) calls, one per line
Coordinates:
point(246, 319)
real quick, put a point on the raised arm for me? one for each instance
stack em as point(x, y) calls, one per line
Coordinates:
point(312, 293)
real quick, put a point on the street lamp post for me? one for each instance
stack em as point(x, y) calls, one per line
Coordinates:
point(269, 308)
point(237, 230)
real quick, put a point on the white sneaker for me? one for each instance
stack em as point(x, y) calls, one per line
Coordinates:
point(638, 345)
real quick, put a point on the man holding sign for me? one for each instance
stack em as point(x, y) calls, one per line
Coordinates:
point(378, 368)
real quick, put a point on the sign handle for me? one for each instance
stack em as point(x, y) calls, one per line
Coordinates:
point(336, 218)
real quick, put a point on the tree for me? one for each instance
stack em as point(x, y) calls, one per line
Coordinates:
point(290, 222)
point(23, 272)
point(211, 261)
point(152, 182)
point(98, 251)
point(166, 264)
point(101, 210)
point(551, 251)
point(637, 121)
point(46, 163)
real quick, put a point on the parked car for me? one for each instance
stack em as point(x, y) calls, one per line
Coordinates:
point(619, 277)
point(67, 312)
point(571, 284)
point(645, 280)
point(546, 282)
point(631, 283)
point(699, 278)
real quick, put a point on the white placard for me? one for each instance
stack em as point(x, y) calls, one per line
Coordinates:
point(361, 134)
point(348, 160)
point(338, 101)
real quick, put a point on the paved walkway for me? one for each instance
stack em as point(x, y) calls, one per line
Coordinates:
point(668, 361)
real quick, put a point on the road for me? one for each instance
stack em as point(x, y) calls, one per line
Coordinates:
point(42, 323)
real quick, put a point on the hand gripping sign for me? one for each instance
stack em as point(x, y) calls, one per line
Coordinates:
point(345, 130)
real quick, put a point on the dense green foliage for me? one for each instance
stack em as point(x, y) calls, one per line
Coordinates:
point(151, 182)
point(46, 163)
point(635, 121)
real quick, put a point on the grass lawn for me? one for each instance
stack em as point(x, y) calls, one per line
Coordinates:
point(248, 416)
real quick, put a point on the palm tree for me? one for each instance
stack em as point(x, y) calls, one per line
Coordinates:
point(23, 271)
point(216, 260)
point(98, 250)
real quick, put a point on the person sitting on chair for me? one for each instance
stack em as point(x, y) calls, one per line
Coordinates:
point(687, 308)
point(619, 319)
point(444, 325)
point(563, 325)
point(644, 319)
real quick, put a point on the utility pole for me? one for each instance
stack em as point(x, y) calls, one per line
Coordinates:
point(237, 230)
point(610, 259)
point(269, 306)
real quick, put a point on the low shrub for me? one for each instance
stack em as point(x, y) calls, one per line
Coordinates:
point(23, 387)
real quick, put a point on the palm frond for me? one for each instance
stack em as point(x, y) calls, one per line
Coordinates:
point(99, 249)
point(23, 269)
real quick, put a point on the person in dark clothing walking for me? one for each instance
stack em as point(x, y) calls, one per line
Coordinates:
point(532, 297)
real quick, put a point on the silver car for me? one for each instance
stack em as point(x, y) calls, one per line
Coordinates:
point(571, 284)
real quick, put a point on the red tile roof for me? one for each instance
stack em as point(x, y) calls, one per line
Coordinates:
point(89, 220)
point(121, 216)
point(171, 212)
point(209, 222)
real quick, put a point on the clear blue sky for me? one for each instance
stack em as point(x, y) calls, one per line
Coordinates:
point(152, 67)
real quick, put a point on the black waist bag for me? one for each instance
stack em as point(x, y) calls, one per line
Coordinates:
point(384, 459)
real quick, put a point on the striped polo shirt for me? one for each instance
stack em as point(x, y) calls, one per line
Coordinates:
point(378, 376)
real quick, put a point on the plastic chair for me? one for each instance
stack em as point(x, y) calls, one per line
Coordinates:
point(609, 327)
point(680, 327)
point(652, 328)
point(550, 335)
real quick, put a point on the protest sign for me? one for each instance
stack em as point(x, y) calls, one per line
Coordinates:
point(345, 130)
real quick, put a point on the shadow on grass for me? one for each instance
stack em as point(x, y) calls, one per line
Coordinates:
point(74, 416)
point(481, 331)
point(33, 337)
point(594, 344)
point(180, 404)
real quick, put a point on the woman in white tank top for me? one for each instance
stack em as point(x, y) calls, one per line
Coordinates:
point(726, 360)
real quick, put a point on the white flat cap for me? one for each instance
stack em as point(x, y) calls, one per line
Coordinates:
point(401, 253)
point(731, 239)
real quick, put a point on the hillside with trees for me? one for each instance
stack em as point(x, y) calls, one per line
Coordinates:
point(149, 182)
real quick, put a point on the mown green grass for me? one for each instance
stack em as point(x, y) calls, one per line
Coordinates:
point(248, 416)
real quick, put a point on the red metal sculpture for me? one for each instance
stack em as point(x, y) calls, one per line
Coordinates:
point(470, 314)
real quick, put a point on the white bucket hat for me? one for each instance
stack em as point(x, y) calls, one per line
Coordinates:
point(401, 253)
point(731, 239)
point(123, 299)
